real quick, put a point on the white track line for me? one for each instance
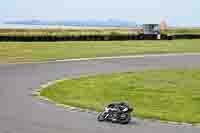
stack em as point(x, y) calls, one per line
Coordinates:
point(124, 57)
point(111, 57)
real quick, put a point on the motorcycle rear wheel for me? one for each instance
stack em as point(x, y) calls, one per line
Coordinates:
point(126, 120)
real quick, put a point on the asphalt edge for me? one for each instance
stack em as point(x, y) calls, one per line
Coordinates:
point(108, 57)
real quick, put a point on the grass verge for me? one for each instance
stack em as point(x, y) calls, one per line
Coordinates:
point(21, 52)
point(172, 95)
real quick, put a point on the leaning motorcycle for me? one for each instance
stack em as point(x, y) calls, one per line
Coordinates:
point(116, 113)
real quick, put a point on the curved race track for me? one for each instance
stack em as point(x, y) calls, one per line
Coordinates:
point(21, 113)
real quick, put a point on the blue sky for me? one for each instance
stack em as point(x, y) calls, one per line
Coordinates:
point(175, 12)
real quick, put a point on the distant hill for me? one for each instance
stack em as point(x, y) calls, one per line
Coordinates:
point(96, 23)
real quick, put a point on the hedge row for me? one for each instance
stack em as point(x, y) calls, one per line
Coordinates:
point(186, 36)
point(78, 38)
point(95, 38)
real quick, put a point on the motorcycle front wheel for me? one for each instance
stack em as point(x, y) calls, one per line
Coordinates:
point(101, 117)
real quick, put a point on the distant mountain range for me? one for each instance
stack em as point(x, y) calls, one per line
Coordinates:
point(92, 23)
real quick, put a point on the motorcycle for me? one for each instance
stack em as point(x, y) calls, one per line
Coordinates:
point(116, 113)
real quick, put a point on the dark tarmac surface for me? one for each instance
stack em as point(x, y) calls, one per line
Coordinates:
point(21, 113)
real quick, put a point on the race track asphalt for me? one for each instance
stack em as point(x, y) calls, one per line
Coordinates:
point(21, 113)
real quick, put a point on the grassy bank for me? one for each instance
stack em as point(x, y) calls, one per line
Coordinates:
point(19, 52)
point(97, 31)
point(66, 32)
point(172, 95)
point(179, 31)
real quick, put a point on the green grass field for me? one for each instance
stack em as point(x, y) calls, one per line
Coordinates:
point(172, 95)
point(20, 52)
